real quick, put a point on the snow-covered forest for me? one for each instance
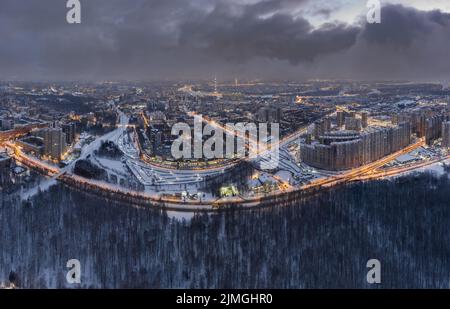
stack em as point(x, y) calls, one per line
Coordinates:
point(324, 241)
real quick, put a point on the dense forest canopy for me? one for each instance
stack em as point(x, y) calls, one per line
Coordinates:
point(320, 242)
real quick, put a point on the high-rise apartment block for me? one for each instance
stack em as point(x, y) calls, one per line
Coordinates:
point(69, 130)
point(364, 119)
point(54, 142)
point(321, 127)
point(341, 150)
point(446, 134)
point(353, 124)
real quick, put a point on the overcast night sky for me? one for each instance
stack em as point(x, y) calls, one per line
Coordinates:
point(197, 39)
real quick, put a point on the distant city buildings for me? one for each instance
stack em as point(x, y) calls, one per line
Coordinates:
point(398, 114)
point(269, 114)
point(6, 123)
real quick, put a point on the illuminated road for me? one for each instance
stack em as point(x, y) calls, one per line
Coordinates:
point(257, 151)
point(376, 174)
point(358, 172)
point(18, 132)
point(261, 148)
point(365, 172)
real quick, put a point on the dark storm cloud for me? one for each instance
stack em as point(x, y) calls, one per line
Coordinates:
point(407, 44)
point(176, 39)
point(279, 36)
point(401, 26)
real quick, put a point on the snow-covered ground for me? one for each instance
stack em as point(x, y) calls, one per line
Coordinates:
point(152, 175)
point(147, 175)
point(158, 180)
point(112, 165)
point(436, 168)
point(180, 215)
point(43, 186)
point(127, 143)
point(111, 136)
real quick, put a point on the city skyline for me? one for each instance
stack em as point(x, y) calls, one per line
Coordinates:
point(224, 144)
